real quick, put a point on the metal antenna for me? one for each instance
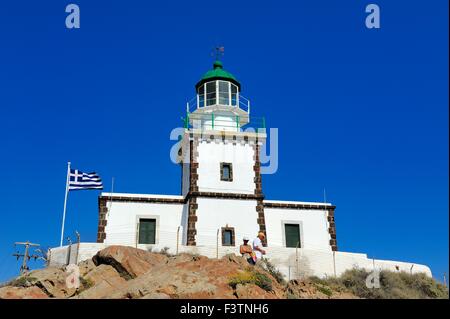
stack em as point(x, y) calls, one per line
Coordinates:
point(218, 52)
point(26, 256)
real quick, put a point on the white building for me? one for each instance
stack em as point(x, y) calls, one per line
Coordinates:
point(222, 198)
point(221, 186)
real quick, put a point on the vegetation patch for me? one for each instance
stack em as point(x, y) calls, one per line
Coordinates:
point(23, 281)
point(250, 276)
point(85, 284)
point(271, 269)
point(325, 290)
point(392, 285)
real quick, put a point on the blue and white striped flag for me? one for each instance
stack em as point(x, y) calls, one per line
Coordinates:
point(79, 180)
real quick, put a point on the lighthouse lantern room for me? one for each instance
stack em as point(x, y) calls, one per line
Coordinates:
point(218, 104)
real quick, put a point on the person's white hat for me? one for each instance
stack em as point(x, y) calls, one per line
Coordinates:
point(245, 238)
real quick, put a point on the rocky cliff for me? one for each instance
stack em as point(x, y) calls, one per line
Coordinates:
point(126, 272)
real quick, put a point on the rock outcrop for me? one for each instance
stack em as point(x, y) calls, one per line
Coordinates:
point(22, 293)
point(126, 272)
point(129, 262)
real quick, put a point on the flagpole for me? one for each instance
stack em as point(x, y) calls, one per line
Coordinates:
point(65, 203)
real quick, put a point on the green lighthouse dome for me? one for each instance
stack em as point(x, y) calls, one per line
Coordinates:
point(218, 73)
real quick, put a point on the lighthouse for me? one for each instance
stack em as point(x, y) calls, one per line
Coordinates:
point(222, 198)
point(220, 157)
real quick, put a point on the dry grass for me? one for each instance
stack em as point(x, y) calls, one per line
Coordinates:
point(393, 285)
point(250, 276)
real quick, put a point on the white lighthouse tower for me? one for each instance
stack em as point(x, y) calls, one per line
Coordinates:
point(221, 162)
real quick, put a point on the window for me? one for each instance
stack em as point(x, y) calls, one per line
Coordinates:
point(147, 231)
point(218, 92)
point(233, 95)
point(201, 96)
point(211, 93)
point(224, 93)
point(227, 236)
point(226, 172)
point(292, 233)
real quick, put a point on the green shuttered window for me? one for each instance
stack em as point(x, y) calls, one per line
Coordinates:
point(147, 231)
point(292, 233)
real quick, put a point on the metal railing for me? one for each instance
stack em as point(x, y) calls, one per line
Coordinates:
point(241, 102)
point(213, 121)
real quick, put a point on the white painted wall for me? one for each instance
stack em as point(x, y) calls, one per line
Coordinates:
point(221, 122)
point(212, 154)
point(313, 227)
point(213, 214)
point(326, 263)
point(122, 219)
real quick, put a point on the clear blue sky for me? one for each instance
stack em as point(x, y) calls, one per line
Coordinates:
point(361, 112)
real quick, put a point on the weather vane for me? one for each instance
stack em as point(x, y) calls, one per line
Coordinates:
point(218, 52)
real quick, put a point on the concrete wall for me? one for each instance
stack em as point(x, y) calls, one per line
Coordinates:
point(213, 214)
point(325, 263)
point(73, 254)
point(293, 263)
point(313, 227)
point(122, 220)
point(211, 154)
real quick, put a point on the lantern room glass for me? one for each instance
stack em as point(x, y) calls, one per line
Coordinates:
point(201, 96)
point(224, 93)
point(218, 92)
point(211, 93)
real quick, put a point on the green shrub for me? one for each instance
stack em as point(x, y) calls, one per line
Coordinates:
point(317, 280)
point(251, 276)
point(325, 290)
point(22, 281)
point(393, 285)
point(271, 269)
point(86, 283)
point(262, 281)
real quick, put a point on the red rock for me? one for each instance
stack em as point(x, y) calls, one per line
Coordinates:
point(129, 262)
point(22, 293)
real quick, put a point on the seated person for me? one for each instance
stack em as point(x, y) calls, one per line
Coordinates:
point(246, 251)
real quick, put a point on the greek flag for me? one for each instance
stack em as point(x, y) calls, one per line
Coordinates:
point(79, 180)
